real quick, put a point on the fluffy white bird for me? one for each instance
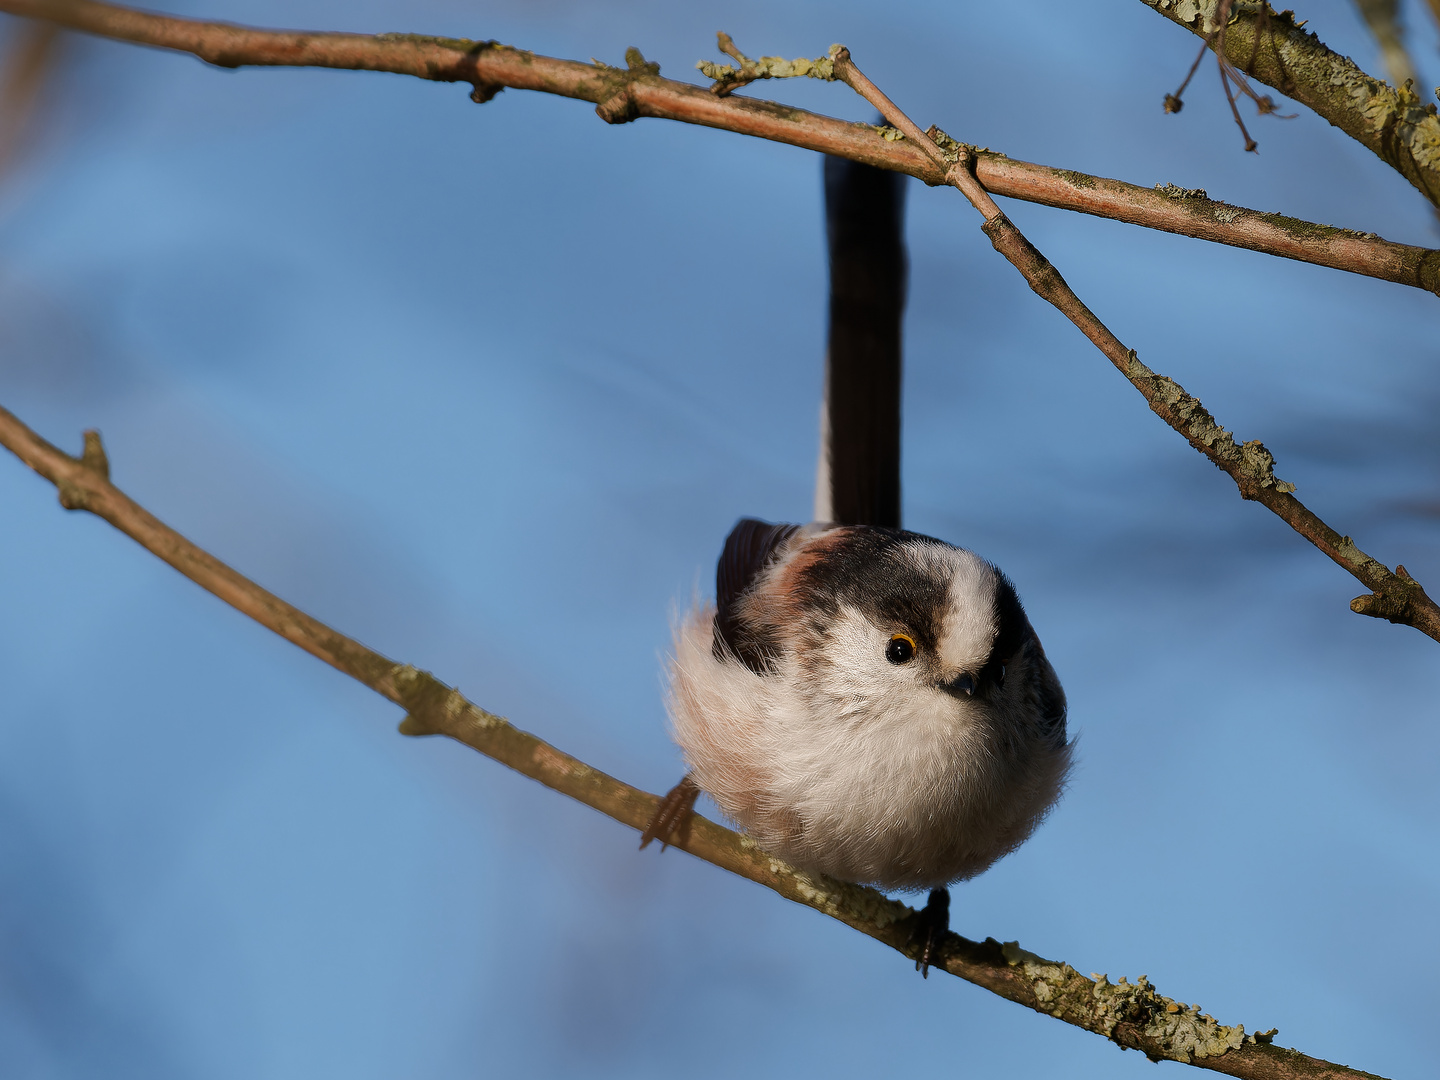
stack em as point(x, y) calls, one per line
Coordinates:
point(867, 703)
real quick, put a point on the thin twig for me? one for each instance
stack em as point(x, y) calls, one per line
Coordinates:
point(1229, 74)
point(1394, 124)
point(622, 94)
point(1250, 144)
point(1395, 595)
point(1133, 1015)
point(1176, 101)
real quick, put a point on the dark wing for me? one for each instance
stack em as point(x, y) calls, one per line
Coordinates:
point(1012, 627)
point(1016, 637)
point(751, 546)
point(1046, 695)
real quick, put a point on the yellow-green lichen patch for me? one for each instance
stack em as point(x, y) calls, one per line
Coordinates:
point(767, 67)
point(1387, 110)
point(1077, 179)
point(953, 149)
point(1175, 191)
point(1252, 466)
point(1166, 1028)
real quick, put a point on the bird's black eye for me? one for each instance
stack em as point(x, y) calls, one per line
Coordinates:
point(901, 649)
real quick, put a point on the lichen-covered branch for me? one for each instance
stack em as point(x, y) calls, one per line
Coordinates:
point(637, 90)
point(729, 78)
point(1132, 1015)
point(1191, 212)
point(1395, 596)
point(1273, 47)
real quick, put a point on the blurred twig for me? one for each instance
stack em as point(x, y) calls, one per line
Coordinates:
point(637, 90)
point(1132, 1015)
point(28, 60)
point(1273, 47)
point(1383, 18)
point(1396, 596)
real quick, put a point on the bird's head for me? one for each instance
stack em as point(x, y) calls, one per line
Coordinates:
point(880, 616)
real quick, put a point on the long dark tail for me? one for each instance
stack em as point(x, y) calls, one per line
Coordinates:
point(858, 481)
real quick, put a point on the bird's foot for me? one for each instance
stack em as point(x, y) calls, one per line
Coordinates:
point(932, 923)
point(671, 822)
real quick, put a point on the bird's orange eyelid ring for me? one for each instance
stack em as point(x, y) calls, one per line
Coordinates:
point(900, 649)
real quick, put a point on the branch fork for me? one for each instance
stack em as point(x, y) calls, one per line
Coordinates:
point(619, 105)
point(1402, 600)
point(74, 495)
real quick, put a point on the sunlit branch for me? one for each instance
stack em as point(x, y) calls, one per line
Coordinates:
point(637, 90)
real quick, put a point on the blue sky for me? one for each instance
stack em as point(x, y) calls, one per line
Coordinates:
point(485, 387)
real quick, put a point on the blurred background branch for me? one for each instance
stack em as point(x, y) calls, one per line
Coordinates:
point(1383, 18)
point(30, 56)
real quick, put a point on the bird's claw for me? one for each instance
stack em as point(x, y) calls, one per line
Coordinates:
point(932, 923)
point(672, 817)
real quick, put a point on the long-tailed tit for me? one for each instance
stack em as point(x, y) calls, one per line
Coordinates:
point(867, 703)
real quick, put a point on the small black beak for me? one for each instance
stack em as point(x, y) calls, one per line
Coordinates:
point(962, 686)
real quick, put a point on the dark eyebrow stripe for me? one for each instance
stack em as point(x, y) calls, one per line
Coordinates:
point(869, 570)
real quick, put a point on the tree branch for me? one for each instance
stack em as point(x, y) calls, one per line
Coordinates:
point(1396, 596)
point(1132, 1015)
point(1271, 46)
point(624, 94)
